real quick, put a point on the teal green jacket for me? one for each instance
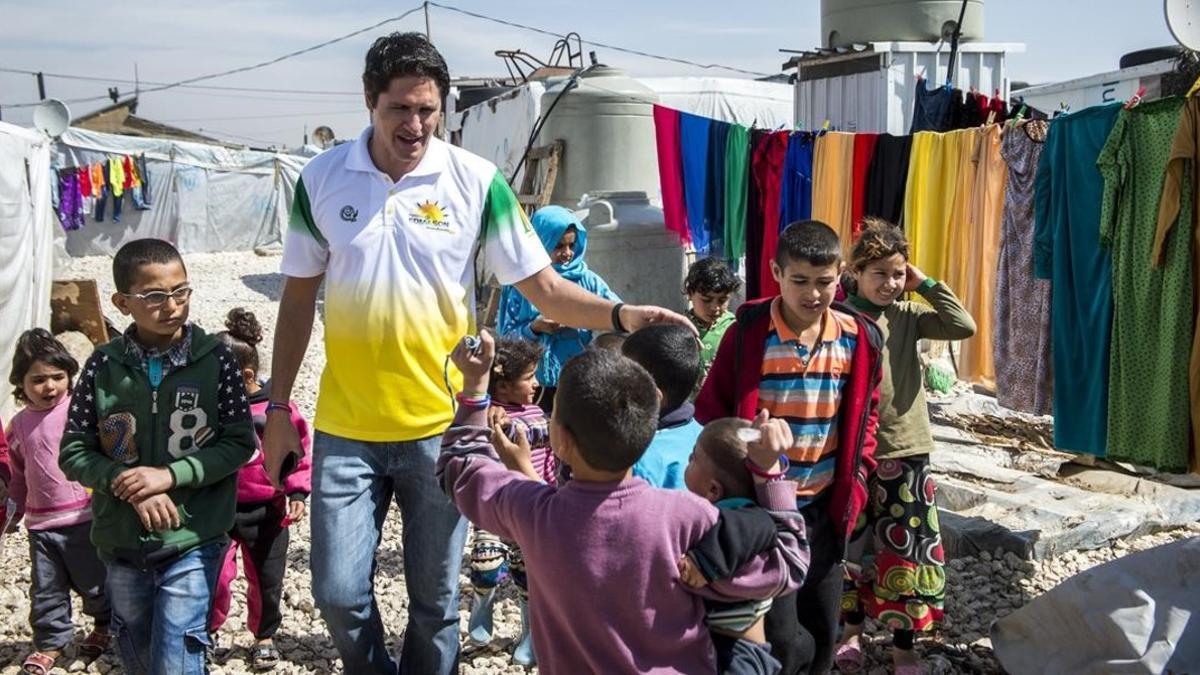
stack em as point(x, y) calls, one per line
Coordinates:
point(196, 422)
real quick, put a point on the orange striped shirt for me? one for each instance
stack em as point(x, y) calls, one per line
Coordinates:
point(805, 388)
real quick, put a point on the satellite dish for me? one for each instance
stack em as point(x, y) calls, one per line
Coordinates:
point(1183, 19)
point(52, 116)
point(323, 136)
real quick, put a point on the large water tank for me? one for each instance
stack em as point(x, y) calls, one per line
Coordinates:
point(848, 22)
point(606, 123)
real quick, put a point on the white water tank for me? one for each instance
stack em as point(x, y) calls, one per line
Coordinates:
point(848, 22)
point(606, 123)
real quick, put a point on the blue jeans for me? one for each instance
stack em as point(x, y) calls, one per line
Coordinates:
point(160, 616)
point(353, 485)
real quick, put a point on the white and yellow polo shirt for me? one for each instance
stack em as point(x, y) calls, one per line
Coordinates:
point(398, 259)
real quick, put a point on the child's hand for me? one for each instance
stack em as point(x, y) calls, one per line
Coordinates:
point(775, 439)
point(138, 483)
point(497, 415)
point(158, 513)
point(914, 278)
point(296, 510)
point(476, 368)
point(690, 575)
point(516, 456)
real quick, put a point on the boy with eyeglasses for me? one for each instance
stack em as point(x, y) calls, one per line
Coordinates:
point(158, 428)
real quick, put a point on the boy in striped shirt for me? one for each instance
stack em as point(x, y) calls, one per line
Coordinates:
point(815, 363)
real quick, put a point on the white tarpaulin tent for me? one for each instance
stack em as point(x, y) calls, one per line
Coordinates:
point(205, 198)
point(27, 225)
point(498, 128)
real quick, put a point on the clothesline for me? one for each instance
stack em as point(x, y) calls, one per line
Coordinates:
point(84, 190)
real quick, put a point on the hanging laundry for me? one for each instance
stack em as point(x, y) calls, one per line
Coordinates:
point(1183, 173)
point(1067, 197)
point(127, 169)
point(714, 204)
point(833, 176)
point(983, 244)
point(999, 107)
point(864, 151)
point(98, 171)
point(144, 177)
point(693, 139)
point(931, 108)
point(958, 262)
point(887, 178)
point(116, 176)
point(737, 175)
point(670, 172)
point(754, 218)
point(1021, 343)
point(961, 115)
point(1149, 420)
point(766, 171)
point(85, 181)
point(795, 200)
point(929, 198)
point(68, 204)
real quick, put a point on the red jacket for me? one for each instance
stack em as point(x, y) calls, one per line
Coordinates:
point(731, 390)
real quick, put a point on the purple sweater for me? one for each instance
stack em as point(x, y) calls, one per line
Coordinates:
point(42, 493)
point(605, 556)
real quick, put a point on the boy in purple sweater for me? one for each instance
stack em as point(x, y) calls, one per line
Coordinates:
point(605, 548)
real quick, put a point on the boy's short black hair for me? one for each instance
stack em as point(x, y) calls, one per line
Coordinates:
point(609, 404)
point(711, 275)
point(726, 453)
point(513, 358)
point(132, 256)
point(671, 355)
point(809, 241)
point(37, 344)
point(403, 55)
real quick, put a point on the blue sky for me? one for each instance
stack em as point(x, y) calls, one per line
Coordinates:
point(172, 41)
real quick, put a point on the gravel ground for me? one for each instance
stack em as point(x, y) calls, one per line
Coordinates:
point(980, 589)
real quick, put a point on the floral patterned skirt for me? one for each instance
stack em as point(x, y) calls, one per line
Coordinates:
point(896, 573)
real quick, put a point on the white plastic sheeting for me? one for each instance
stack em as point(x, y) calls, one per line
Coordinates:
point(1137, 614)
point(205, 198)
point(498, 128)
point(27, 227)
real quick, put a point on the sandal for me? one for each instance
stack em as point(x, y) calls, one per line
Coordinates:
point(264, 657)
point(95, 644)
point(38, 663)
point(849, 658)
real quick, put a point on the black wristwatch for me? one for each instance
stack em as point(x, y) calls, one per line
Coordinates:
point(616, 317)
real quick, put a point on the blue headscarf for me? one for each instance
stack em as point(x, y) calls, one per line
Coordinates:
point(551, 223)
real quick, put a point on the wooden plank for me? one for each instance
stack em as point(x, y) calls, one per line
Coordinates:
point(75, 305)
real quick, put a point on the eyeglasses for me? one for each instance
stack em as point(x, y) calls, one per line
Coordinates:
point(158, 298)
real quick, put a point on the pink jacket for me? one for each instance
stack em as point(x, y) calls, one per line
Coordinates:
point(253, 485)
point(40, 490)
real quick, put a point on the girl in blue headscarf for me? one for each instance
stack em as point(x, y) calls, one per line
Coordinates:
point(565, 239)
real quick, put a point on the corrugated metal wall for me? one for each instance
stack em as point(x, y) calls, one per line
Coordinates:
point(882, 101)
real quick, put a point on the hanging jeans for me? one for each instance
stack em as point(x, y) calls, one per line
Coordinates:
point(117, 199)
point(135, 193)
point(101, 204)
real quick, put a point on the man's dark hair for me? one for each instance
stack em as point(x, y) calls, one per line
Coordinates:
point(609, 405)
point(37, 344)
point(809, 241)
point(514, 356)
point(711, 275)
point(130, 258)
point(671, 355)
point(403, 55)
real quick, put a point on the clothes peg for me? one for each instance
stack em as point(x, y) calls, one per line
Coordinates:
point(825, 126)
point(1136, 98)
point(991, 118)
point(1195, 88)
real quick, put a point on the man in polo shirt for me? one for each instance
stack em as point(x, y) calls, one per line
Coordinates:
point(391, 222)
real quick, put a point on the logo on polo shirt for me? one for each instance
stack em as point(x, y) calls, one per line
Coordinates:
point(349, 214)
point(431, 215)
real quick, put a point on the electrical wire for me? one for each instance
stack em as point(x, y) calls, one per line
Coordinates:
point(361, 111)
point(245, 69)
point(110, 80)
point(615, 48)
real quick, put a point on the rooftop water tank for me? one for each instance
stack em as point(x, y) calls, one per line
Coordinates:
point(629, 247)
point(848, 22)
point(607, 125)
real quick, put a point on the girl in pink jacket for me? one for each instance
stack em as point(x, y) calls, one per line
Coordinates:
point(260, 529)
